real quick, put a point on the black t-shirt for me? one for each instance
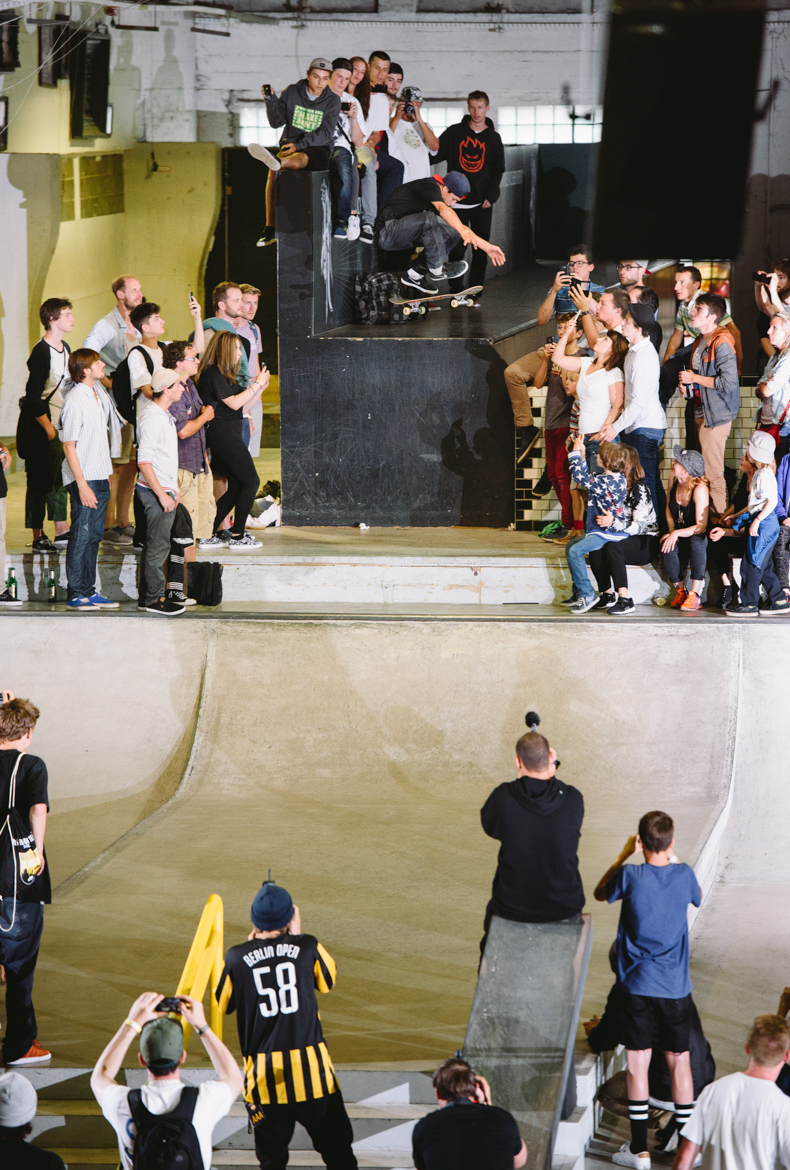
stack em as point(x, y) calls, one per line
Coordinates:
point(213, 388)
point(17, 1155)
point(419, 195)
point(31, 788)
point(466, 1136)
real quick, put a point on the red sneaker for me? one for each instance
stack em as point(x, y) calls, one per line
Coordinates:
point(680, 596)
point(34, 1055)
point(691, 604)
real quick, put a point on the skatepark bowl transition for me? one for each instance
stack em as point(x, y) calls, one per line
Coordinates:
point(353, 756)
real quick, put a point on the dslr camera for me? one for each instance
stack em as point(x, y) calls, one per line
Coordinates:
point(575, 282)
point(410, 94)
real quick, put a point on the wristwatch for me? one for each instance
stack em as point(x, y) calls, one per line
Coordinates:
point(200, 1031)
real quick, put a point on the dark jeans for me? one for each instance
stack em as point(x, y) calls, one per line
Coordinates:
point(781, 555)
point(689, 552)
point(668, 378)
point(752, 576)
point(422, 227)
point(646, 441)
point(87, 530)
point(479, 220)
point(325, 1120)
point(390, 175)
point(341, 167)
point(158, 525)
point(609, 563)
point(20, 952)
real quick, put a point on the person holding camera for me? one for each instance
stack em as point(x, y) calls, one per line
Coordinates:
point(467, 1131)
point(575, 274)
point(165, 1107)
point(411, 139)
point(270, 982)
point(309, 111)
point(343, 165)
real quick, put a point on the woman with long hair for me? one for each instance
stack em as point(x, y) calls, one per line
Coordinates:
point(359, 85)
point(639, 522)
point(686, 543)
point(230, 458)
point(600, 390)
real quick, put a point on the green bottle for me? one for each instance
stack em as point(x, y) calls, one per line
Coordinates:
point(11, 581)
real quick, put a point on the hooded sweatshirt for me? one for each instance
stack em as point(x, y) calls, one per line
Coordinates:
point(478, 154)
point(307, 122)
point(538, 823)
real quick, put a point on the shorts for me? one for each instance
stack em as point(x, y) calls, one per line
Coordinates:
point(317, 157)
point(128, 449)
point(646, 1019)
point(197, 496)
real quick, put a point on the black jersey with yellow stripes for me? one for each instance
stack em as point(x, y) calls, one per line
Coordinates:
point(271, 984)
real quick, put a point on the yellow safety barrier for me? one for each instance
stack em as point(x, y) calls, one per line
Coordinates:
point(205, 961)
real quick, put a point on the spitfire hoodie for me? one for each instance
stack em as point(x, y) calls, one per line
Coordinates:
point(479, 155)
point(307, 122)
point(538, 823)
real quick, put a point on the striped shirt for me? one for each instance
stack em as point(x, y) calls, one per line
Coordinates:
point(270, 983)
point(83, 420)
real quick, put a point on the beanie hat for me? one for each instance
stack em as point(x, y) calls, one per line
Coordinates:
point(692, 461)
point(762, 447)
point(272, 907)
point(161, 1043)
point(456, 183)
point(18, 1100)
point(644, 316)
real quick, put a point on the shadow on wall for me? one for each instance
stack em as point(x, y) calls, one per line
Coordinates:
point(166, 116)
point(125, 86)
point(766, 240)
point(37, 176)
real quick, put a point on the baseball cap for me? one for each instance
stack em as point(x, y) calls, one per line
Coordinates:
point(161, 1043)
point(692, 461)
point(762, 447)
point(643, 315)
point(18, 1100)
point(320, 63)
point(455, 182)
point(272, 907)
point(162, 379)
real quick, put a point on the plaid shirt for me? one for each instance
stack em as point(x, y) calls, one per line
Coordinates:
point(683, 317)
point(192, 450)
point(83, 421)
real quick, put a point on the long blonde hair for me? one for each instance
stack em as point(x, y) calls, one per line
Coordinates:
point(221, 352)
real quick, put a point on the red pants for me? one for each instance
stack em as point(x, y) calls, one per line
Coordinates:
point(557, 469)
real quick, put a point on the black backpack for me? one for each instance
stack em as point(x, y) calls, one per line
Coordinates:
point(122, 383)
point(166, 1141)
point(204, 582)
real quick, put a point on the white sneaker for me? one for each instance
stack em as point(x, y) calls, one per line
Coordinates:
point(244, 543)
point(581, 606)
point(211, 542)
point(624, 1157)
point(263, 155)
point(353, 229)
point(269, 518)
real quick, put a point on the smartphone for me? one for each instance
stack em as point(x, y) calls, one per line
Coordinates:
point(345, 107)
point(267, 91)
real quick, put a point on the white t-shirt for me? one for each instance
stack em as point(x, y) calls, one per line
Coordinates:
point(378, 113)
point(343, 120)
point(138, 370)
point(157, 444)
point(58, 373)
point(593, 394)
point(213, 1103)
point(741, 1123)
point(407, 144)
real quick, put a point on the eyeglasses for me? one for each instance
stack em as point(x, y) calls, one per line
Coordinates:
point(578, 263)
point(625, 267)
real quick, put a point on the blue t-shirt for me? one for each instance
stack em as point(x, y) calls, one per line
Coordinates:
point(653, 937)
point(564, 304)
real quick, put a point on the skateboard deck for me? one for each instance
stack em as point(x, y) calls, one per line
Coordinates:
point(414, 306)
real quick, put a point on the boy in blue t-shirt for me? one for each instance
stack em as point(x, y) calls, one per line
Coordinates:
point(653, 970)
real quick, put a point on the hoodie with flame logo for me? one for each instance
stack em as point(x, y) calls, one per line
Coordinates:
point(479, 155)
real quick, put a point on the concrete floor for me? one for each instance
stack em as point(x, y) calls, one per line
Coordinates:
point(352, 756)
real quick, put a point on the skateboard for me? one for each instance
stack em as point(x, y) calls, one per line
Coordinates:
point(416, 306)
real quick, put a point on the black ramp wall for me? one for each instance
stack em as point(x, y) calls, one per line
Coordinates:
point(378, 425)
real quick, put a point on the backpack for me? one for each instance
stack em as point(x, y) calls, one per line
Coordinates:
point(121, 391)
point(204, 582)
point(166, 1141)
point(372, 291)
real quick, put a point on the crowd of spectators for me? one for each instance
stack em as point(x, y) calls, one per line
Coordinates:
point(607, 390)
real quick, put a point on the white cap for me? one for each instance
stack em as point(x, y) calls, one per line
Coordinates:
point(18, 1100)
point(762, 447)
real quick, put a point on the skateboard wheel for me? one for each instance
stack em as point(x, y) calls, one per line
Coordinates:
point(454, 303)
point(406, 310)
point(422, 310)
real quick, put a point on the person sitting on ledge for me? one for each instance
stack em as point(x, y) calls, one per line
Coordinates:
point(420, 213)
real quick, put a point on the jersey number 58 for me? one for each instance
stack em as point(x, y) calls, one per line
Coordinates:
point(285, 974)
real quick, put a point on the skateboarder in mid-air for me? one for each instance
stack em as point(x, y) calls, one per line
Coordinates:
point(420, 213)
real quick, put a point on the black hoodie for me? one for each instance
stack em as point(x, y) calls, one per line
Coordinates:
point(479, 155)
point(539, 823)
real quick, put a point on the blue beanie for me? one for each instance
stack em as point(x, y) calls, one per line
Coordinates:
point(272, 908)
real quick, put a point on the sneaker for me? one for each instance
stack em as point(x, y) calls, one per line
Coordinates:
point(210, 542)
point(243, 543)
point(34, 1055)
point(742, 611)
point(564, 537)
point(115, 536)
point(680, 596)
point(582, 604)
point(43, 544)
point(352, 228)
point(454, 268)
point(569, 601)
point(606, 600)
point(165, 608)
point(82, 604)
point(267, 238)
point(366, 235)
point(691, 603)
point(99, 602)
point(265, 156)
point(621, 606)
point(552, 529)
point(179, 597)
point(7, 598)
point(776, 608)
point(624, 1157)
point(340, 233)
point(542, 487)
point(423, 283)
point(526, 438)
point(126, 529)
point(61, 540)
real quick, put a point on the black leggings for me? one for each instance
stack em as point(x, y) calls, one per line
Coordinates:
point(609, 563)
point(231, 460)
point(691, 551)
